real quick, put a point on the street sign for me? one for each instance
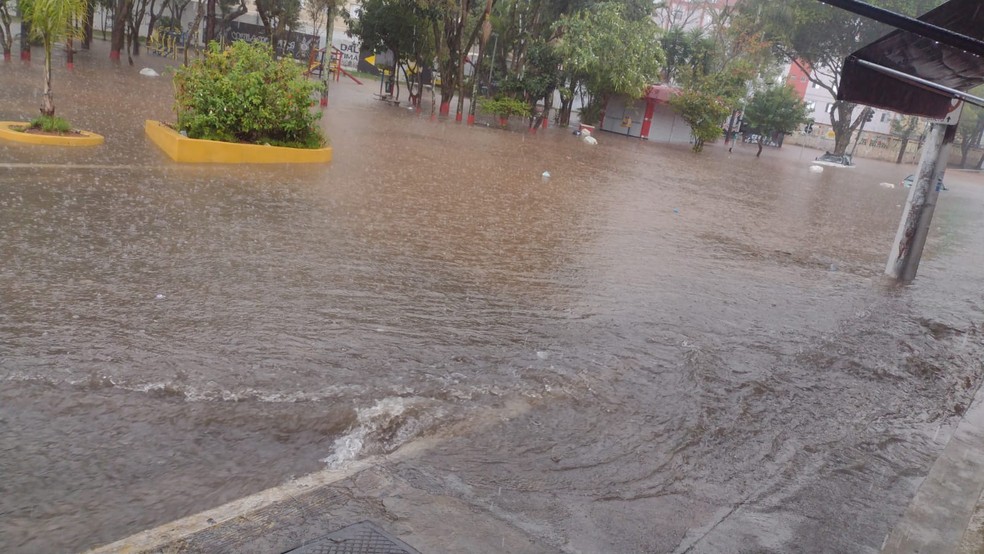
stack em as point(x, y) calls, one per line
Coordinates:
point(953, 116)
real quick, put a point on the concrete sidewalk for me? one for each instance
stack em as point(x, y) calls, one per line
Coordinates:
point(947, 512)
point(286, 517)
point(397, 498)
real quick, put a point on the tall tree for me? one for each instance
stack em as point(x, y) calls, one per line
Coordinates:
point(904, 127)
point(52, 21)
point(394, 25)
point(609, 53)
point(817, 38)
point(773, 111)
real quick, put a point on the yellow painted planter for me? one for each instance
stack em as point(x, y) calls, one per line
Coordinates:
point(85, 138)
point(183, 149)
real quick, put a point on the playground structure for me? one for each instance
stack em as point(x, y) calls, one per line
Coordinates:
point(166, 42)
point(316, 65)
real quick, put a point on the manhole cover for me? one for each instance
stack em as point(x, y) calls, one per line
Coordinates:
point(359, 538)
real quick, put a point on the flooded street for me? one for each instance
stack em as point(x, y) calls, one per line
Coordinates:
point(709, 357)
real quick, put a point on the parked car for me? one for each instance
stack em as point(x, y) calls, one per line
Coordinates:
point(908, 181)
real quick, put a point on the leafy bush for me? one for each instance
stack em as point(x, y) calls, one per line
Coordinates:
point(504, 106)
point(704, 112)
point(242, 94)
point(50, 124)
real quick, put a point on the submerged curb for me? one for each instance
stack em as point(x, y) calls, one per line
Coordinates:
point(939, 515)
point(188, 150)
point(84, 138)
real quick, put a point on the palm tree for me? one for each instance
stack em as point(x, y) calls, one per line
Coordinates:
point(53, 21)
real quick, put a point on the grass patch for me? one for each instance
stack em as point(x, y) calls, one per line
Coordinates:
point(50, 124)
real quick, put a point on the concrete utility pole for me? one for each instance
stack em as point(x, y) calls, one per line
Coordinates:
point(903, 261)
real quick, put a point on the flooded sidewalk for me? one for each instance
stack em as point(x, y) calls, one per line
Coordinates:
point(650, 351)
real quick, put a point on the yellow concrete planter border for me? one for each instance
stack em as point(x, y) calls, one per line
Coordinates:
point(84, 138)
point(183, 149)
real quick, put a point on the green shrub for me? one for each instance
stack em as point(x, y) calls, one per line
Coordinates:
point(242, 94)
point(50, 124)
point(504, 106)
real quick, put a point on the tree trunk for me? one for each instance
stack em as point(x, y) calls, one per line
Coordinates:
point(25, 41)
point(476, 70)
point(209, 21)
point(326, 61)
point(566, 106)
point(395, 92)
point(90, 16)
point(47, 101)
point(840, 122)
point(980, 163)
point(193, 30)
point(905, 143)
point(122, 13)
point(134, 22)
point(6, 36)
point(462, 57)
point(761, 139)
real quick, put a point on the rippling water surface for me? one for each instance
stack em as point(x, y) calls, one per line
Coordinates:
point(710, 356)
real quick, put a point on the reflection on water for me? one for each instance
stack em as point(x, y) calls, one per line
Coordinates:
point(710, 352)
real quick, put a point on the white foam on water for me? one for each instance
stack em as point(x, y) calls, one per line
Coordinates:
point(385, 425)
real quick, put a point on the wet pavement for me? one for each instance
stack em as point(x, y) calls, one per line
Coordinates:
point(706, 354)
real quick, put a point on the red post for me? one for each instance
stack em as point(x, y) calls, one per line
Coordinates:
point(647, 120)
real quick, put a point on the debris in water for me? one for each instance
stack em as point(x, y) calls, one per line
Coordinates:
point(676, 210)
point(887, 185)
point(160, 296)
point(816, 169)
point(148, 72)
point(545, 175)
point(543, 355)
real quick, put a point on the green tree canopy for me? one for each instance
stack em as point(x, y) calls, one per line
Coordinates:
point(399, 26)
point(609, 52)
point(818, 37)
point(774, 110)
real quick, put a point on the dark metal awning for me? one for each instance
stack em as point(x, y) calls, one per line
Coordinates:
point(908, 72)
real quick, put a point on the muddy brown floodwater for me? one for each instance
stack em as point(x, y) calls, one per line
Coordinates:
point(711, 359)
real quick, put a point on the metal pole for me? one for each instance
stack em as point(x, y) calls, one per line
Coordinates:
point(903, 261)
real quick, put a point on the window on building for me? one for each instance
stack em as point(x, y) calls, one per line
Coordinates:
point(884, 117)
point(829, 108)
point(811, 106)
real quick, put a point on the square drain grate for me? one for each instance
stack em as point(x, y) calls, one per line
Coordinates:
point(359, 538)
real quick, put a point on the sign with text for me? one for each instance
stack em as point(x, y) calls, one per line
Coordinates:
point(296, 45)
point(349, 47)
